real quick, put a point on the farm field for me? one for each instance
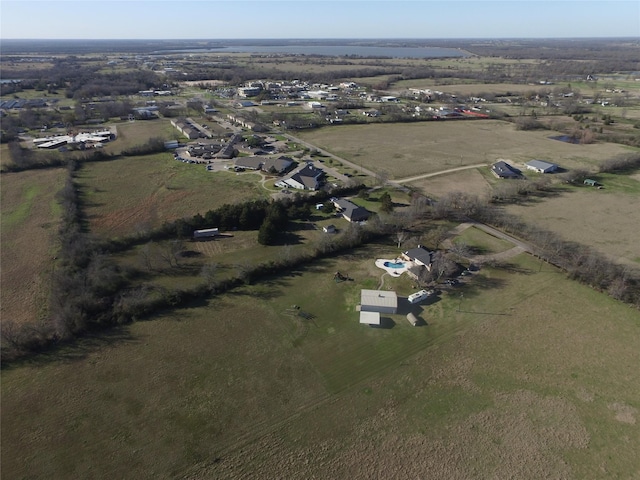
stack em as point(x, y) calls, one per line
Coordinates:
point(481, 243)
point(471, 181)
point(139, 192)
point(134, 134)
point(499, 382)
point(608, 219)
point(28, 234)
point(405, 150)
point(475, 89)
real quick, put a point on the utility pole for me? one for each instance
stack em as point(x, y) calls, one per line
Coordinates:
point(460, 301)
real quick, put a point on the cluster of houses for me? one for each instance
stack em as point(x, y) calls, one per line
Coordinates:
point(187, 128)
point(238, 120)
point(205, 152)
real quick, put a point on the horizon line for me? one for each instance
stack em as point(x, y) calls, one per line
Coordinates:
point(319, 38)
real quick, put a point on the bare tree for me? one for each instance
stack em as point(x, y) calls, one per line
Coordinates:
point(146, 255)
point(208, 272)
point(436, 236)
point(461, 249)
point(401, 236)
point(171, 251)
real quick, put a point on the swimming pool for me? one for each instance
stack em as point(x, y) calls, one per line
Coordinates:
point(394, 264)
point(395, 267)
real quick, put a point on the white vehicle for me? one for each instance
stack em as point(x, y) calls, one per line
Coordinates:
point(418, 296)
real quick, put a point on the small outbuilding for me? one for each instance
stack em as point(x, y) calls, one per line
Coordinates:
point(413, 320)
point(370, 318)
point(591, 182)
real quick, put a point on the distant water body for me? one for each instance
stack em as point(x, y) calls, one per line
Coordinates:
point(335, 50)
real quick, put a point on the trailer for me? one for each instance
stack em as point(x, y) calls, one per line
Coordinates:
point(206, 233)
point(418, 296)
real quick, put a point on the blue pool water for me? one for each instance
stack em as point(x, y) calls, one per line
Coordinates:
point(393, 264)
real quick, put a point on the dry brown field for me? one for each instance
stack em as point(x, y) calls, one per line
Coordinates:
point(469, 181)
point(140, 192)
point(134, 134)
point(507, 382)
point(30, 216)
point(475, 89)
point(607, 219)
point(408, 149)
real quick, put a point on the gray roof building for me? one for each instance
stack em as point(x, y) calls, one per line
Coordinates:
point(541, 166)
point(381, 301)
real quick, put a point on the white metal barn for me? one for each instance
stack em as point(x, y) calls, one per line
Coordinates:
point(380, 301)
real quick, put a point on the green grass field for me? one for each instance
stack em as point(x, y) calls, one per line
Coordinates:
point(28, 234)
point(139, 192)
point(235, 386)
point(482, 243)
point(409, 149)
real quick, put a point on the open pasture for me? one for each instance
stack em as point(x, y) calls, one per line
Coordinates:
point(239, 386)
point(29, 228)
point(139, 192)
point(471, 181)
point(137, 133)
point(409, 149)
point(607, 219)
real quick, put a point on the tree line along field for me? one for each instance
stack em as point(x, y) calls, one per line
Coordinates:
point(506, 379)
point(29, 237)
point(410, 149)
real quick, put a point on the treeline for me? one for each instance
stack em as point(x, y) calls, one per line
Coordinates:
point(89, 292)
point(84, 285)
point(245, 216)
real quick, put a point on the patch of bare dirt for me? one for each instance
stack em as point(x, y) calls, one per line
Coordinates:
point(624, 413)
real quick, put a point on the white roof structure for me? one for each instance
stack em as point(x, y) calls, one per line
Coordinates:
point(541, 166)
point(378, 301)
point(370, 318)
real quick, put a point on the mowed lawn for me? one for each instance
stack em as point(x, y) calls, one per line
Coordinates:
point(527, 375)
point(28, 234)
point(408, 149)
point(140, 192)
point(607, 219)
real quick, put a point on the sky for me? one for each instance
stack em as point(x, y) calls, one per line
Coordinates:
point(241, 19)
